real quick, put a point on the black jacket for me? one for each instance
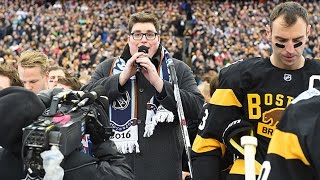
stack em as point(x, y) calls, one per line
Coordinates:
point(160, 155)
point(107, 163)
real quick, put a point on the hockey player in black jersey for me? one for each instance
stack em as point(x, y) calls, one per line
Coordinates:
point(252, 96)
point(293, 152)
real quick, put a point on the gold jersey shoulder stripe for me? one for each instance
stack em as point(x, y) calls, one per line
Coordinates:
point(201, 145)
point(225, 97)
point(286, 145)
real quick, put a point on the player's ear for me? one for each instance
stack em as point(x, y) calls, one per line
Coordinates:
point(308, 30)
point(268, 32)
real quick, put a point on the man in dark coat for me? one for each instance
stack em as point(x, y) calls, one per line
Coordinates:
point(19, 108)
point(143, 109)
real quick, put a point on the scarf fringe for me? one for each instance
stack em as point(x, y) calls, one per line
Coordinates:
point(162, 115)
point(127, 147)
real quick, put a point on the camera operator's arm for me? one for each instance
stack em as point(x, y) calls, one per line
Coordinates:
point(106, 165)
point(111, 163)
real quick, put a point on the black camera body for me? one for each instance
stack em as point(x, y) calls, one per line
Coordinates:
point(63, 124)
point(43, 133)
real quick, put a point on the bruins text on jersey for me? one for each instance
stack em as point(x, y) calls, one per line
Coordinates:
point(293, 152)
point(251, 97)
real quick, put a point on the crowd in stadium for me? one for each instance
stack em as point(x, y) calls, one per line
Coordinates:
point(91, 44)
point(205, 34)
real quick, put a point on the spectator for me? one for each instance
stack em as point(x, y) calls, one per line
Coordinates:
point(84, 79)
point(71, 83)
point(214, 82)
point(207, 87)
point(142, 105)
point(55, 29)
point(9, 76)
point(33, 70)
point(56, 72)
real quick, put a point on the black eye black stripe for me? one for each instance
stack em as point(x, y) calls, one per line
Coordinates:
point(297, 44)
point(282, 45)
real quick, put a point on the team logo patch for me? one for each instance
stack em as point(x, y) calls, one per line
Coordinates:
point(287, 77)
point(121, 123)
point(122, 102)
point(270, 120)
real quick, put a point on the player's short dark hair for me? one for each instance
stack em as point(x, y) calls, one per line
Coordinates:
point(291, 11)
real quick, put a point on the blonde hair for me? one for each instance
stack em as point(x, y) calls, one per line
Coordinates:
point(84, 78)
point(30, 59)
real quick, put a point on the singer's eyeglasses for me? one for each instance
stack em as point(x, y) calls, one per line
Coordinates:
point(139, 35)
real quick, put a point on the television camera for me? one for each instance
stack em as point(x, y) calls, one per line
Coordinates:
point(71, 115)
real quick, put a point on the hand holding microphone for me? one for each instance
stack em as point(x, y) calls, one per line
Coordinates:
point(145, 50)
point(132, 67)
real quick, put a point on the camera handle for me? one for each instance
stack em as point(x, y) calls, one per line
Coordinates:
point(55, 102)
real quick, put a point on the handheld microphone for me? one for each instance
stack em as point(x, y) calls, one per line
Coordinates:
point(145, 50)
point(90, 97)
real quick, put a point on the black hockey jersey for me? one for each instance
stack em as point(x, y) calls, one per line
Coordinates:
point(293, 152)
point(252, 94)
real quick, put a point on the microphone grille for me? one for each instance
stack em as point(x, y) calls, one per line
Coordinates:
point(143, 48)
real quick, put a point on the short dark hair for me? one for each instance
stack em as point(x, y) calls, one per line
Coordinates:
point(11, 73)
point(73, 82)
point(143, 17)
point(56, 68)
point(291, 11)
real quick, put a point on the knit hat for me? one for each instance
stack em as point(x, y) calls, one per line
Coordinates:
point(18, 108)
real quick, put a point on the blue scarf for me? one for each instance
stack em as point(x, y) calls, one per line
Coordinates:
point(123, 110)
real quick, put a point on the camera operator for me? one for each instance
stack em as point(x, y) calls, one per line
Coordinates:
point(107, 163)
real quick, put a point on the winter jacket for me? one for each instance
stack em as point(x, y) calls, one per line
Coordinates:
point(160, 154)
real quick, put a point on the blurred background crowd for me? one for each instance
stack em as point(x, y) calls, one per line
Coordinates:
point(78, 35)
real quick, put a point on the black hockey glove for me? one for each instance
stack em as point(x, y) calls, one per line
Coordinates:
point(232, 134)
